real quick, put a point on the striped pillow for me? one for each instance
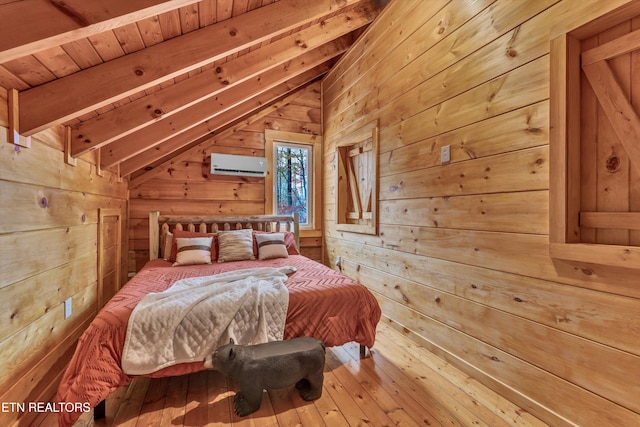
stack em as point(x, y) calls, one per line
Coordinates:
point(271, 246)
point(235, 245)
point(195, 250)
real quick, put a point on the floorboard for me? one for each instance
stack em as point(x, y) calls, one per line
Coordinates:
point(399, 384)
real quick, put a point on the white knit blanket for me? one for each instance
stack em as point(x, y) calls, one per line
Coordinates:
point(195, 316)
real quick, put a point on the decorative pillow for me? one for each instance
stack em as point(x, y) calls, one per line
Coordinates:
point(271, 246)
point(289, 242)
point(191, 234)
point(195, 250)
point(235, 245)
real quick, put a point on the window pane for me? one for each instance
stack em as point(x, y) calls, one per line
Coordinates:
point(292, 180)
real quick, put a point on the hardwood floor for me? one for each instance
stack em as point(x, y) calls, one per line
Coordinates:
point(401, 383)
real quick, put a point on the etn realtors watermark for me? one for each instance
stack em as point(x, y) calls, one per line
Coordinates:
point(56, 407)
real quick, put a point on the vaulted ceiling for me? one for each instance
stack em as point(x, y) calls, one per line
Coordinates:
point(141, 79)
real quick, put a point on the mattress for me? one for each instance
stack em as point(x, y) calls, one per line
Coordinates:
point(323, 304)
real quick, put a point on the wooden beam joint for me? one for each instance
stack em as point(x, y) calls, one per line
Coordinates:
point(14, 136)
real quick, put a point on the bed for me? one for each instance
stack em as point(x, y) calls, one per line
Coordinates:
point(322, 303)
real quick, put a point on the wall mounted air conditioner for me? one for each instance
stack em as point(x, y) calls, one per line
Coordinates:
point(230, 164)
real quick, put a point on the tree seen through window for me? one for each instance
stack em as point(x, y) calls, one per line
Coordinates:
point(292, 180)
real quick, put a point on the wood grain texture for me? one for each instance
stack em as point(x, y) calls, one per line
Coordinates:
point(401, 383)
point(183, 186)
point(49, 254)
point(443, 269)
point(130, 117)
point(124, 75)
point(54, 23)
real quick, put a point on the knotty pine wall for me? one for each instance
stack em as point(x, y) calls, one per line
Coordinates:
point(48, 253)
point(461, 261)
point(187, 188)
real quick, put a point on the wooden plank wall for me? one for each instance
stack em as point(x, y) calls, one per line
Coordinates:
point(461, 262)
point(48, 253)
point(188, 189)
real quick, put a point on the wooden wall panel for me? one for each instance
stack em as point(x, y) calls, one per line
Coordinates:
point(461, 262)
point(189, 189)
point(48, 254)
point(608, 179)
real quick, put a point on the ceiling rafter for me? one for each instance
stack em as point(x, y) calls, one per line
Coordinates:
point(123, 76)
point(142, 81)
point(129, 118)
point(233, 120)
point(163, 130)
point(54, 22)
point(262, 107)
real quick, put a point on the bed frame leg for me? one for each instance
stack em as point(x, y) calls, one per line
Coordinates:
point(100, 411)
point(363, 351)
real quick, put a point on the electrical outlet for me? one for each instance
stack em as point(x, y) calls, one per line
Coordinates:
point(67, 308)
point(445, 154)
point(338, 261)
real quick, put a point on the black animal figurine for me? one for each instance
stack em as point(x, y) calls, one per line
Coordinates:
point(273, 365)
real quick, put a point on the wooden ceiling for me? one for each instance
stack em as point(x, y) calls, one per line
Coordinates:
point(128, 76)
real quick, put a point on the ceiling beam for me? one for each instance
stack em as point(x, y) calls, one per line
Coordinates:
point(163, 130)
point(209, 127)
point(102, 84)
point(128, 118)
point(30, 26)
point(194, 136)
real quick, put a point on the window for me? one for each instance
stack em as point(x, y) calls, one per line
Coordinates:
point(595, 158)
point(356, 181)
point(292, 182)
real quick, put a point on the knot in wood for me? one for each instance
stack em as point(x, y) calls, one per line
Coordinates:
point(138, 72)
point(44, 202)
point(233, 33)
point(613, 163)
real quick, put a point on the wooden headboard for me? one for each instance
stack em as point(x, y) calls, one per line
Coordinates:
point(159, 225)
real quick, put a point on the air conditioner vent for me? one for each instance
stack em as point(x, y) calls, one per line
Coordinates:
point(231, 164)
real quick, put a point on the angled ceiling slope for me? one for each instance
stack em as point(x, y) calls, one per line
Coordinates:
point(125, 76)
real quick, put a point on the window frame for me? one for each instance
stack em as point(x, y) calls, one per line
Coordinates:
point(347, 179)
point(565, 167)
point(272, 138)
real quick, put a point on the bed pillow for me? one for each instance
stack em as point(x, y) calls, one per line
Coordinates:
point(235, 245)
point(271, 246)
point(289, 242)
point(191, 234)
point(194, 250)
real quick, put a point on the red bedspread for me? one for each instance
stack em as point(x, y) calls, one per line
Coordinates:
point(322, 303)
